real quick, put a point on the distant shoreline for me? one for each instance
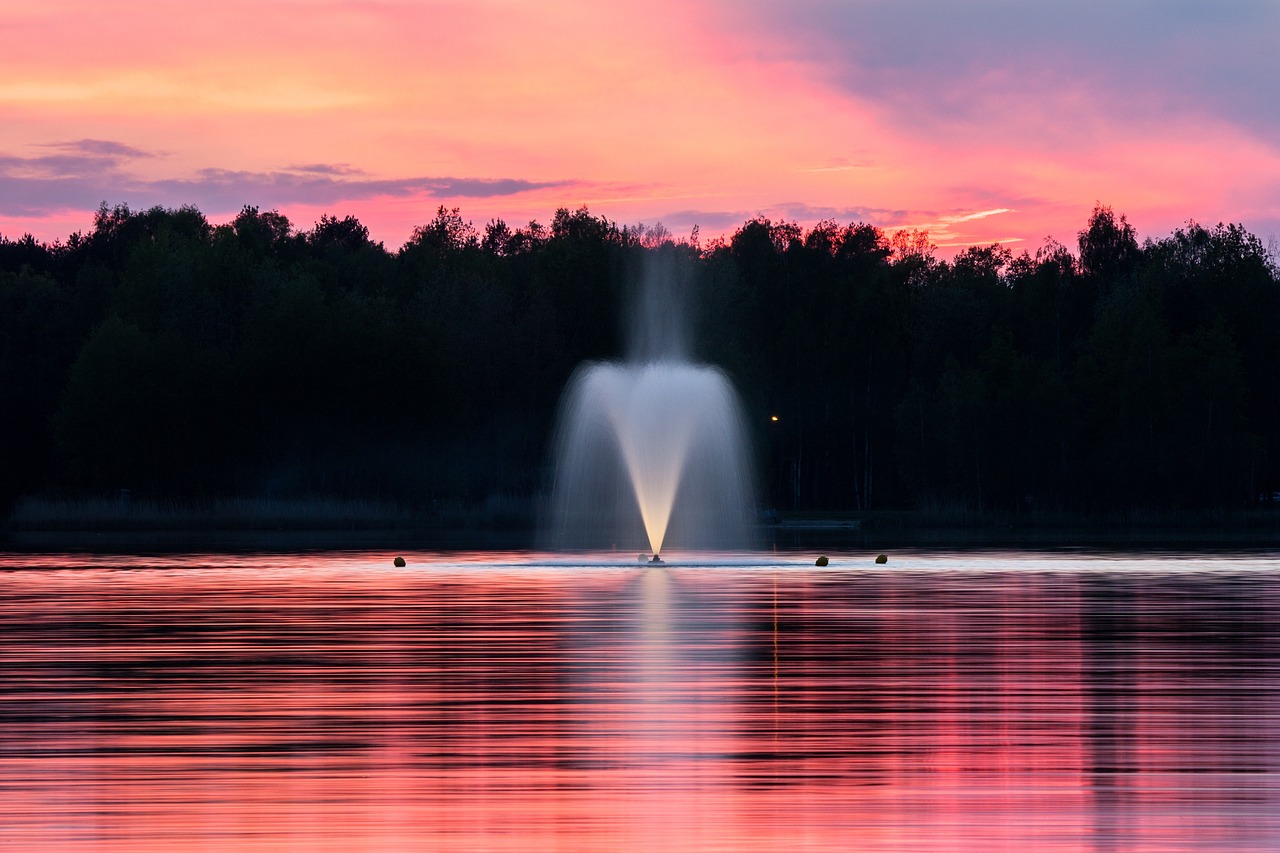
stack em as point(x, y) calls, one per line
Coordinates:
point(1255, 527)
point(335, 524)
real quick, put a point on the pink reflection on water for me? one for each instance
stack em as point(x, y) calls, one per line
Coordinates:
point(509, 702)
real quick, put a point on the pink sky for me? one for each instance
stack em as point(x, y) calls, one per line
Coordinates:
point(997, 123)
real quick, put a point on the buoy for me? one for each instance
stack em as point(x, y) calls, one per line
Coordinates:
point(821, 561)
point(398, 562)
point(881, 560)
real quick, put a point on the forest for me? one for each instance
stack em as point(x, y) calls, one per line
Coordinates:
point(181, 360)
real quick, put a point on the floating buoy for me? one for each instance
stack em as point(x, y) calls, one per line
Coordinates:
point(821, 561)
point(398, 562)
point(881, 560)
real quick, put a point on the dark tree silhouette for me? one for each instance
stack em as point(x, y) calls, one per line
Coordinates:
point(162, 354)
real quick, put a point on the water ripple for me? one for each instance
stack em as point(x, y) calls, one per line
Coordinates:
point(523, 702)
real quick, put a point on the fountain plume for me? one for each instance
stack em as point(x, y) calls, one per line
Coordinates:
point(652, 449)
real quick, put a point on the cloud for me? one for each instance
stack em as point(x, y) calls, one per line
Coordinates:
point(477, 187)
point(83, 159)
point(957, 218)
point(326, 169)
point(1052, 68)
point(843, 164)
point(952, 228)
point(103, 148)
point(87, 172)
point(880, 216)
point(224, 189)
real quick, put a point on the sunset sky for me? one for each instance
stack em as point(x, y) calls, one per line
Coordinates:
point(992, 120)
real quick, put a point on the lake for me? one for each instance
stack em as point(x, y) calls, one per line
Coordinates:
point(985, 700)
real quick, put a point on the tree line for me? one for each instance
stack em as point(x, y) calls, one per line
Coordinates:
point(179, 359)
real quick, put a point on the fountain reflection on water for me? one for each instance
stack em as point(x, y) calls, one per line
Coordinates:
point(652, 450)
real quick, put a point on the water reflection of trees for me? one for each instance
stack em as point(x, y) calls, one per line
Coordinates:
point(1099, 700)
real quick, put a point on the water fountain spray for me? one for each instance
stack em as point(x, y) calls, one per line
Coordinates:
point(652, 446)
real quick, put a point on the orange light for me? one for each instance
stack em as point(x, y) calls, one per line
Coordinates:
point(774, 418)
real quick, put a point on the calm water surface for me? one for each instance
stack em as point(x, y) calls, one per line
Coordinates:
point(988, 701)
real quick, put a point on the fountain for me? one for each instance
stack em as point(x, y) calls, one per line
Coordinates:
point(652, 449)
